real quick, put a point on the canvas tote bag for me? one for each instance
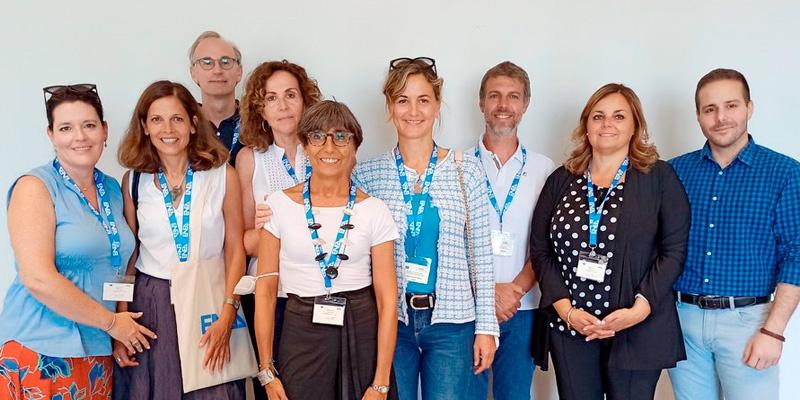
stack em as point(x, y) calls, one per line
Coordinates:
point(198, 293)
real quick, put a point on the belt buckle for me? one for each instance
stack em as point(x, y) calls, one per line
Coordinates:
point(709, 302)
point(421, 296)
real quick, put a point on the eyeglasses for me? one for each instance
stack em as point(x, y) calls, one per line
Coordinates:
point(207, 63)
point(318, 138)
point(58, 90)
point(426, 62)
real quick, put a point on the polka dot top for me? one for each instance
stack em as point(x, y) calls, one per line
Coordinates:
point(569, 234)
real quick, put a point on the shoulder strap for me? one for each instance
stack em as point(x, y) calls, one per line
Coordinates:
point(459, 159)
point(135, 189)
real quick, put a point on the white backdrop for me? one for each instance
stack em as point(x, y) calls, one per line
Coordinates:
point(569, 49)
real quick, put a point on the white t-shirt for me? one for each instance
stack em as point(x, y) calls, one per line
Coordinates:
point(270, 175)
point(299, 273)
point(157, 251)
point(517, 219)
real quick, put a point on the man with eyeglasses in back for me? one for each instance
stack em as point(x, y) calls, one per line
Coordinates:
point(216, 67)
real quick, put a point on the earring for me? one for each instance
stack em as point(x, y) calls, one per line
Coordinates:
point(105, 144)
point(263, 127)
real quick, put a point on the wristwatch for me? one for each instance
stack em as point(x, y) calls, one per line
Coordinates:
point(380, 388)
point(267, 375)
point(235, 303)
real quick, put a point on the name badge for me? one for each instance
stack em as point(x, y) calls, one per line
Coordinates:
point(502, 243)
point(119, 291)
point(418, 269)
point(592, 266)
point(329, 310)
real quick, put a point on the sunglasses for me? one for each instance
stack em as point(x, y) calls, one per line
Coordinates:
point(318, 138)
point(59, 90)
point(208, 63)
point(425, 62)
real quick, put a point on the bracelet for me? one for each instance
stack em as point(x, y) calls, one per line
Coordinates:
point(772, 334)
point(569, 315)
point(113, 321)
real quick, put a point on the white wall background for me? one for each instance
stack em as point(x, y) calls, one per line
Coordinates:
point(569, 49)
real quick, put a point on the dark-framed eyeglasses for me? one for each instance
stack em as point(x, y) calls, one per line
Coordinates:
point(58, 90)
point(426, 62)
point(340, 138)
point(208, 63)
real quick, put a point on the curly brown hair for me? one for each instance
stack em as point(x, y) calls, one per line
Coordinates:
point(255, 131)
point(642, 154)
point(138, 153)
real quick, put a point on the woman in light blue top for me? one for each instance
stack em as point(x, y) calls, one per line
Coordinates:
point(70, 240)
point(449, 326)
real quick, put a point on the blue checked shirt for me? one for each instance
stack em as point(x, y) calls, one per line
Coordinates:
point(745, 234)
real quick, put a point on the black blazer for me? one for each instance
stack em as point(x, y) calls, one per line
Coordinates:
point(651, 239)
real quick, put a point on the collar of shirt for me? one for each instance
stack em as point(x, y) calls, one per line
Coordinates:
point(487, 155)
point(747, 155)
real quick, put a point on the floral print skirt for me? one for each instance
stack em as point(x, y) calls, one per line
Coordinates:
point(28, 375)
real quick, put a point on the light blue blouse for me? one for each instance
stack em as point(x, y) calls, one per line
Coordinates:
point(83, 256)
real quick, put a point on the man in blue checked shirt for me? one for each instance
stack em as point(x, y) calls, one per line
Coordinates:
point(741, 281)
point(514, 177)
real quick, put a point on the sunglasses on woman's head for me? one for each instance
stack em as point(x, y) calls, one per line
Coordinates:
point(426, 62)
point(58, 90)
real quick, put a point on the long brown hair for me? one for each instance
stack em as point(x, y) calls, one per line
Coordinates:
point(641, 153)
point(256, 132)
point(138, 153)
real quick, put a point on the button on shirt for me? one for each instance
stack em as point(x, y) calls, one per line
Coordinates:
point(517, 218)
point(745, 234)
point(225, 133)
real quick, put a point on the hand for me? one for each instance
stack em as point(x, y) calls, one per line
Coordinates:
point(131, 334)
point(275, 390)
point(122, 357)
point(762, 351)
point(507, 297)
point(263, 214)
point(217, 338)
point(625, 318)
point(371, 394)
point(483, 353)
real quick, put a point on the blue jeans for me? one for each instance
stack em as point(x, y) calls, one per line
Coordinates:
point(439, 356)
point(512, 369)
point(715, 343)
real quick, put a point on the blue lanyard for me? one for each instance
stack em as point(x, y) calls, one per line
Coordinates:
point(290, 169)
point(337, 244)
point(105, 203)
point(596, 212)
point(415, 218)
point(180, 235)
point(512, 191)
point(236, 130)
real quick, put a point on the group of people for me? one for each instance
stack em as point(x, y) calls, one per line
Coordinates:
point(422, 271)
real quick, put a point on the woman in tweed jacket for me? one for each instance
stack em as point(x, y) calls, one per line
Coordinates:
point(448, 327)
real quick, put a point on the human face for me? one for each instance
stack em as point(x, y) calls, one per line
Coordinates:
point(503, 105)
point(168, 126)
point(723, 113)
point(331, 160)
point(216, 81)
point(415, 109)
point(610, 125)
point(283, 103)
point(77, 135)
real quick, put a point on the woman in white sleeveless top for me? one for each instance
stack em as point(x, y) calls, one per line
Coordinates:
point(186, 209)
point(276, 94)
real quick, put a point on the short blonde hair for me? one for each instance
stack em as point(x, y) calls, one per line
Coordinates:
point(397, 78)
point(214, 35)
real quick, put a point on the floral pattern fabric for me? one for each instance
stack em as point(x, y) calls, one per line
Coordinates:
point(27, 375)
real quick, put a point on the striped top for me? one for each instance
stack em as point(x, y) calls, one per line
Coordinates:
point(454, 299)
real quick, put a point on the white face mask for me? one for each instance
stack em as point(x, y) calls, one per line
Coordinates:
point(247, 284)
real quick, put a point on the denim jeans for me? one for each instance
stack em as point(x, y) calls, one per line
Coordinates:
point(715, 343)
point(439, 356)
point(512, 369)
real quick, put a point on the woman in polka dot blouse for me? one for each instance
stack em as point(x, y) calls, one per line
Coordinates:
point(608, 241)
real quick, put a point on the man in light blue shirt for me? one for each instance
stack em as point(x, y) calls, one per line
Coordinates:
point(514, 177)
